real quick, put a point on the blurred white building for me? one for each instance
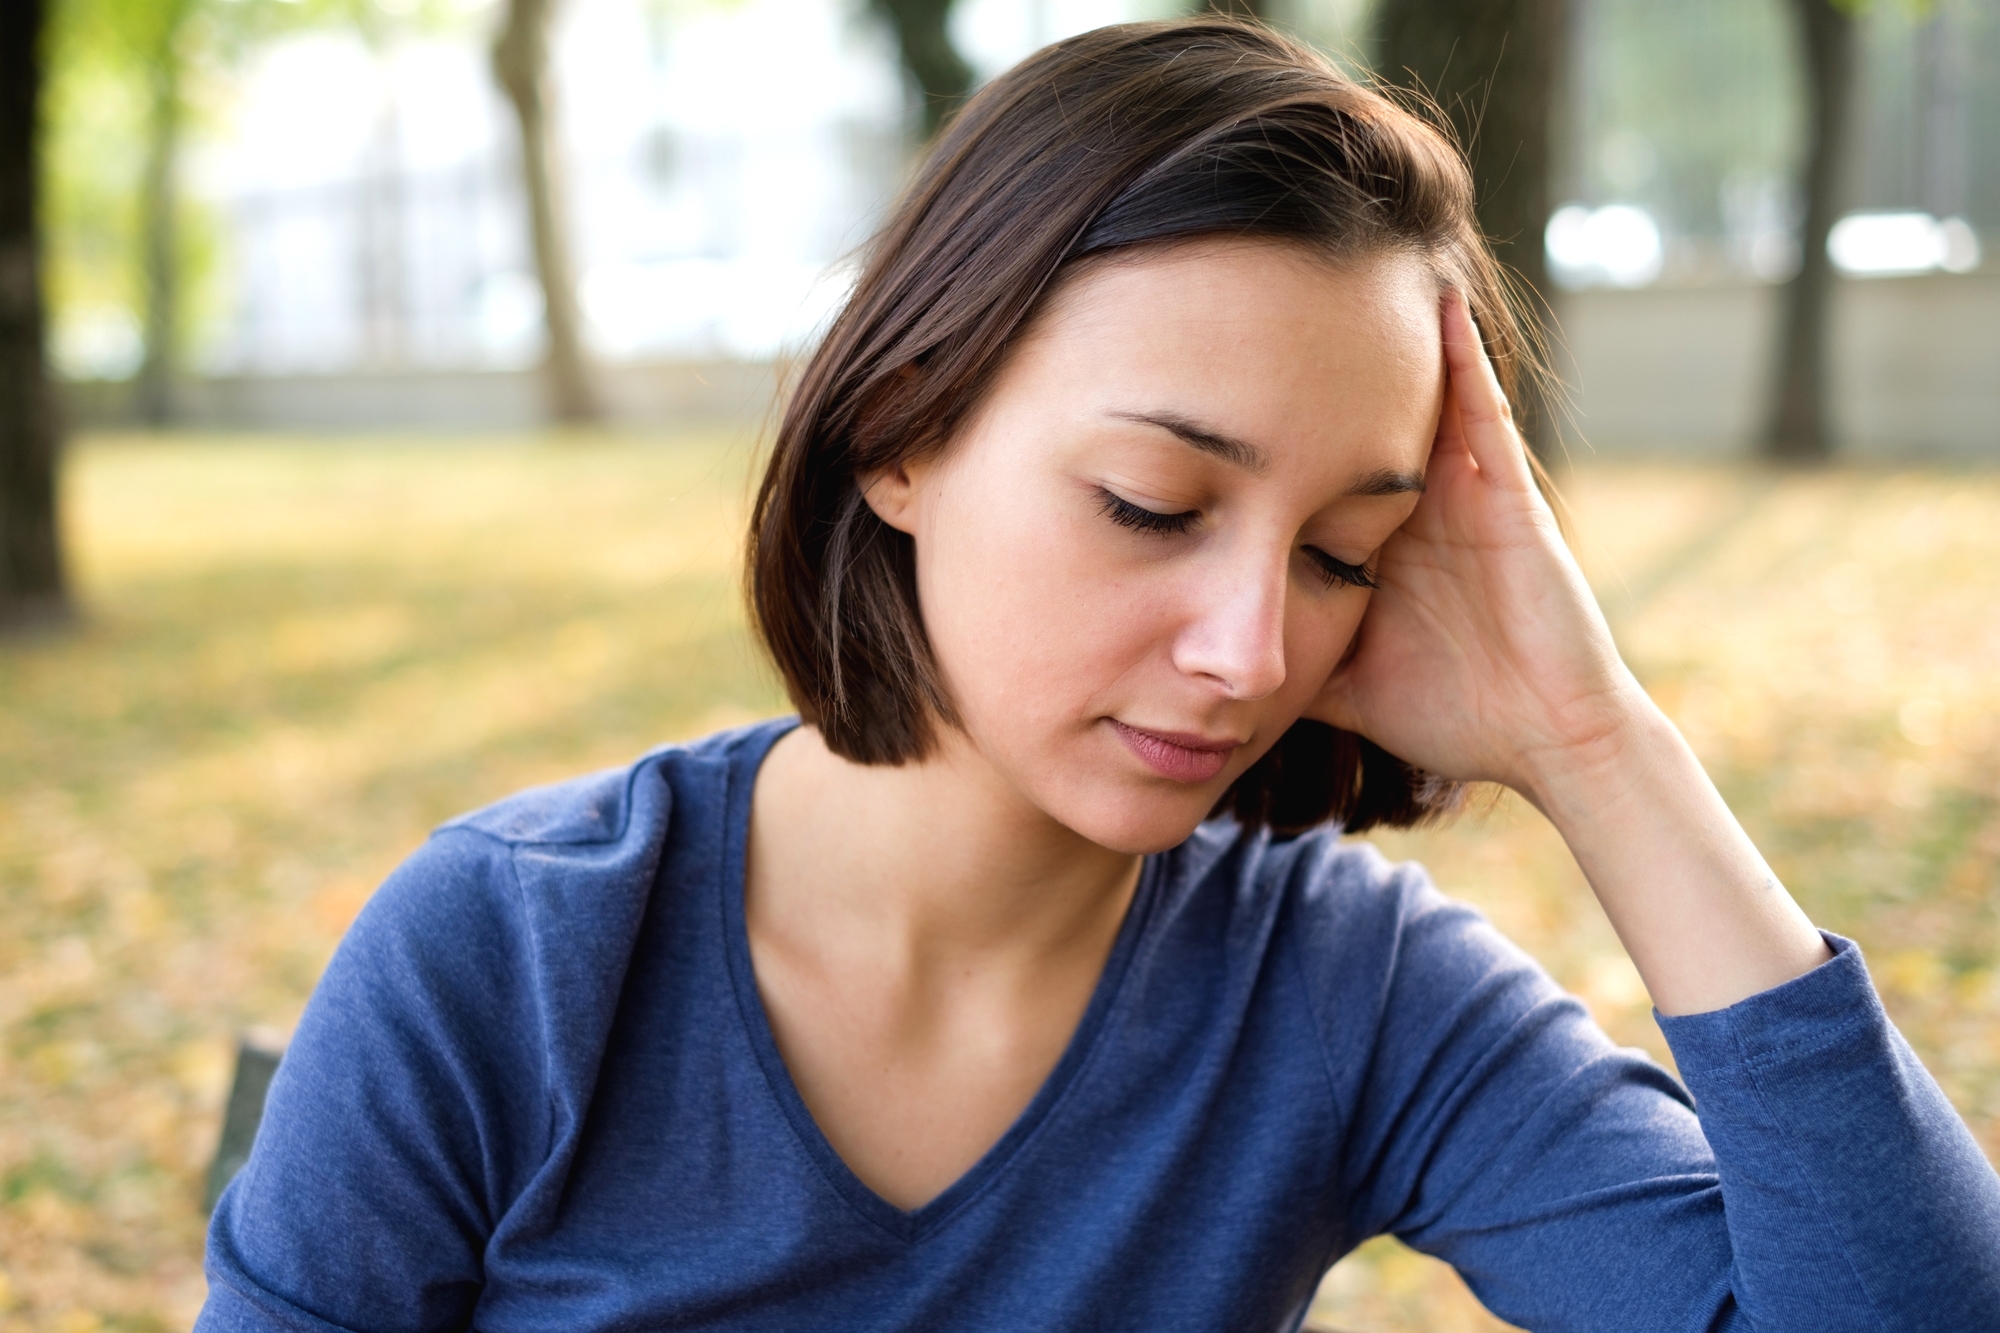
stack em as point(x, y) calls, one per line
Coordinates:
point(720, 160)
point(724, 157)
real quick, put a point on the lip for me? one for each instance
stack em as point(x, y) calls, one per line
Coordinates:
point(1179, 755)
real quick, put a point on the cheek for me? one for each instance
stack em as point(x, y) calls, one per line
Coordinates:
point(1335, 625)
point(1318, 633)
point(1015, 596)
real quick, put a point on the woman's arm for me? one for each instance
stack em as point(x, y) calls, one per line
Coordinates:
point(1703, 917)
point(1827, 1184)
point(409, 1108)
point(1854, 1196)
point(1485, 657)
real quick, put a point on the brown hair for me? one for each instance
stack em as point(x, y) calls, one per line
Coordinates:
point(1134, 135)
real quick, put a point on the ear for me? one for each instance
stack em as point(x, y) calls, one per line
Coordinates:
point(892, 492)
point(896, 494)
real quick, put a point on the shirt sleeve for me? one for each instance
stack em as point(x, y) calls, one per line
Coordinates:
point(1856, 1197)
point(408, 1110)
point(1826, 1184)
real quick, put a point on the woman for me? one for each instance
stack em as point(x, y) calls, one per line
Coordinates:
point(1151, 511)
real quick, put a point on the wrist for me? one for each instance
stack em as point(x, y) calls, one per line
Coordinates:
point(1696, 906)
point(1629, 742)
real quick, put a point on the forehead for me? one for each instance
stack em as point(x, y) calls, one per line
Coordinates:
point(1268, 339)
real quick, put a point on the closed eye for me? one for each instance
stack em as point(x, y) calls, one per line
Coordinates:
point(1140, 519)
point(1338, 573)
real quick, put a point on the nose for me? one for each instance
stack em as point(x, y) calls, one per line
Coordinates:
point(1235, 633)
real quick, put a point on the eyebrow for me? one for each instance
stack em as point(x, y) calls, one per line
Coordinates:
point(1389, 481)
point(1226, 447)
point(1243, 454)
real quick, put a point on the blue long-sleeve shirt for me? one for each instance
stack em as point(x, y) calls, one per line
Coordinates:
point(536, 1090)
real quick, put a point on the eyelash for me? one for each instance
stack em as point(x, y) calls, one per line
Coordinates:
point(1340, 574)
point(1140, 519)
point(1337, 573)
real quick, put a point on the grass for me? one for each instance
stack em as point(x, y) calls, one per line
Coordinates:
point(299, 655)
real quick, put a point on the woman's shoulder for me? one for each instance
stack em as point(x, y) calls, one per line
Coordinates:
point(508, 936)
point(631, 801)
point(571, 864)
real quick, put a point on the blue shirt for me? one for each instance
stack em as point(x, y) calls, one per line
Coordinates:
point(536, 1090)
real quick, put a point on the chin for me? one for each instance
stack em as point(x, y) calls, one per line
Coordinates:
point(1141, 822)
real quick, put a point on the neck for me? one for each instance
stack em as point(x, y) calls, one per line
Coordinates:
point(937, 859)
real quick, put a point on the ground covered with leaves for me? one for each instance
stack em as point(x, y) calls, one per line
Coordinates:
point(296, 656)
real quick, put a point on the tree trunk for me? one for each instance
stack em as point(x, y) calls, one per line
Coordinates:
point(520, 63)
point(1497, 69)
point(154, 396)
point(923, 34)
point(1798, 429)
point(31, 573)
point(1242, 9)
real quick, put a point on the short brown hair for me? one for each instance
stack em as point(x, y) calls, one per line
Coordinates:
point(1134, 135)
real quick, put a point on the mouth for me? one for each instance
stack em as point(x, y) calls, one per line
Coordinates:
point(1180, 756)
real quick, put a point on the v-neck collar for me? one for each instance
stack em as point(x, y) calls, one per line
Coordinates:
point(913, 1224)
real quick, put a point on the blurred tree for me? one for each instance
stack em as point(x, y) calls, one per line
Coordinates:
point(31, 573)
point(520, 63)
point(158, 44)
point(157, 49)
point(143, 41)
point(155, 28)
point(923, 35)
point(1243, 9)
point(1495, 69)
point(1798, 429)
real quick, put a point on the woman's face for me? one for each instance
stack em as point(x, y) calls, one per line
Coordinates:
point(1141, 559)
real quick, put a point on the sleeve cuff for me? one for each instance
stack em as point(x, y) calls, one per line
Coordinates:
point(1791, 1019)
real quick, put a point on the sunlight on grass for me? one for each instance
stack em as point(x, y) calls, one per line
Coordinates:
point(300, 655)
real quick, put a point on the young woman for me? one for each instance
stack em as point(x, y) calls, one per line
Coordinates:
point(1151, 512)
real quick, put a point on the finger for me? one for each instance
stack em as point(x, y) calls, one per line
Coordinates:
point(1451, 428)
point(1484, 416)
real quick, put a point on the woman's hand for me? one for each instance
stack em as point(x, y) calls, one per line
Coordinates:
point(1483, 655)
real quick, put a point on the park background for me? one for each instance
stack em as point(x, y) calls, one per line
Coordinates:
point(369, 513)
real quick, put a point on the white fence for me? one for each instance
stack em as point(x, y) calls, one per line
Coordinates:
point(1661, 370)
point(1915, 366)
